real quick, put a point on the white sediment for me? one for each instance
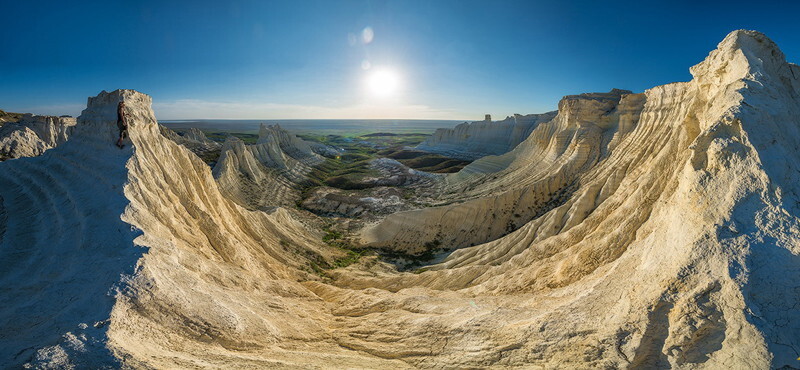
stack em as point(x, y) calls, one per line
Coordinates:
point(644, 230)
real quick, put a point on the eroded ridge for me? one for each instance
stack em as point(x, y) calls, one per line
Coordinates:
point(631, 230)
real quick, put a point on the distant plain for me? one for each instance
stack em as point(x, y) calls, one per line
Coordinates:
point(347, 127)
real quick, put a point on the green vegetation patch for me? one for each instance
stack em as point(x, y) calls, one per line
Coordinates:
point(338, 240)
point(210, 157)
point(9, 116)
point(433, 251)
point(425, 161)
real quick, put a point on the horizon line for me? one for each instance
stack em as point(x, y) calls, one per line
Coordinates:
point(313, 119)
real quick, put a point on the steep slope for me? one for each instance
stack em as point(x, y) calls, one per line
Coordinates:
point(684, 232)
point(470, 141)
point(86, 213)
point(193, 139)
point(267, 173)
point(290, 144)
point(32, 135)
point(540, 174)
point(675, 247)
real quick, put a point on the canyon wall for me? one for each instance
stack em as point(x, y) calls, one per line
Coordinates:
point(649, 230)
point(472, 140)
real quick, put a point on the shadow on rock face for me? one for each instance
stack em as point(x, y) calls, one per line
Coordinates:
point(65, 253)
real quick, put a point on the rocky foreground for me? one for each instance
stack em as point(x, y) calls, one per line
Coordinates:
point(648, 230)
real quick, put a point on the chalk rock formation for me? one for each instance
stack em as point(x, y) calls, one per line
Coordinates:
point(267, 173)
point(324, 150)
point(470, 141)
point(538, 175)
point(676, 212)
point(193, 139)
point(394, 173)
point(128, 253)
point(339, 203)
point(290, 144)
point(675, 244)
point(32, 135)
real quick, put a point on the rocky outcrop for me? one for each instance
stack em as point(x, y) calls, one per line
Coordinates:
point(33, 135)
point(673, 201)
point(339, 203)
point(673, 245)
point(294, 146)
point(196, 141)
point(105, 243)
point(502, 193)
point(6, 117)
point(393, 173)
point(470, 141)
point(268, 173)
point(277, 140)
point(193, 139)
point(324, 150)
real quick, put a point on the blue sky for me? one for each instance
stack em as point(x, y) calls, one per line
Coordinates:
point(306, 59)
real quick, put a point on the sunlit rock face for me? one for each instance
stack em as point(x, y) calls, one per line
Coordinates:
point(194, 139)
point(472, 140)
point(647, 230)
point(266, 174)
point(499, 194)
point(32, 135)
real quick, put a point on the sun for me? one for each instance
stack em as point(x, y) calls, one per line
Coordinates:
point(383, 82)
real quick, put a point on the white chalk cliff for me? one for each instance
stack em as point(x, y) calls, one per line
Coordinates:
point(654, 230)
point(472, 140)
point(32, 135)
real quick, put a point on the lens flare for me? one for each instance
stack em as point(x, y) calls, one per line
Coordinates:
point(367, 35)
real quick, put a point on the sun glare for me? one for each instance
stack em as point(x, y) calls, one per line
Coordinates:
point(383, 83)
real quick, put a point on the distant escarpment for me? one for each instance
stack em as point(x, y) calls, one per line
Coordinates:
point(470, 141)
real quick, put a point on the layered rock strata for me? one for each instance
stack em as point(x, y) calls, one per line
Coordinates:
point(674, 245)
point(268, 173)
point(473, 140)
point(33, 135)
